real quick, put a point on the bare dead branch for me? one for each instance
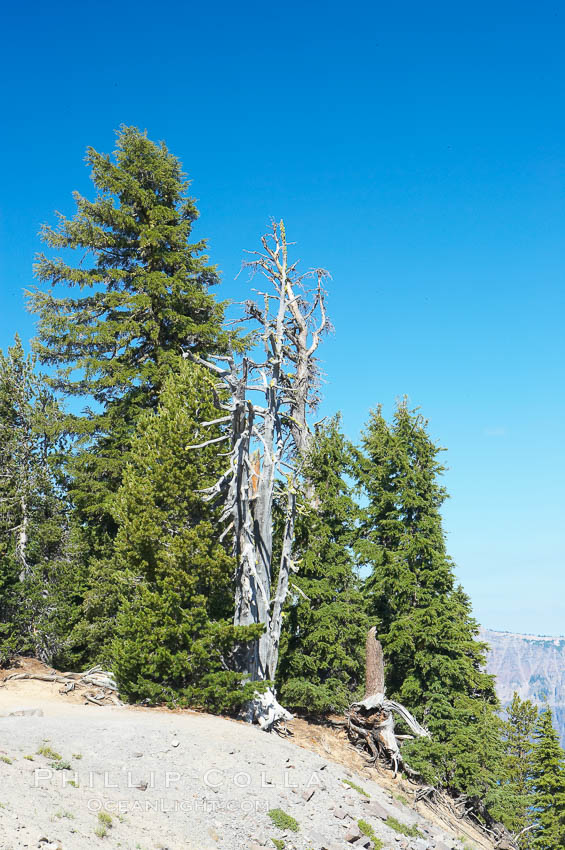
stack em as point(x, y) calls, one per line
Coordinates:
point(209, 442)
point(268, 438)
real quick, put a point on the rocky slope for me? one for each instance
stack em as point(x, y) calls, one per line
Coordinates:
point(532, 666)
point(77, 775)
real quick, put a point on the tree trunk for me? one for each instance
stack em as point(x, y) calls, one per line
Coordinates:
point(374, 665)
point(21, 543)
point(372, 719)
point(267, 440)
point(285, 568)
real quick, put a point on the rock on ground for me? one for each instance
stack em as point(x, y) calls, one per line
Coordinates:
point(129, 778)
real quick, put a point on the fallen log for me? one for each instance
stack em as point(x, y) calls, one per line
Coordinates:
point(95, 676)
point(42, 677)
point(103, 682)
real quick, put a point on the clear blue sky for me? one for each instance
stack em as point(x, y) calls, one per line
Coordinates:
point(416, 150)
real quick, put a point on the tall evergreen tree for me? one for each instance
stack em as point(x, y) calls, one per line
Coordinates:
point(37, 543)
point(434, 664)
point(548, 786)
point(323, 641)
point(143, 296)
point(159, 612)
point(23, 469)
point(513, 800)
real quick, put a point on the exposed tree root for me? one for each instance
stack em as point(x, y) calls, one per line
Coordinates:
point(107, 690)
point(371, 721)
point(267, 711)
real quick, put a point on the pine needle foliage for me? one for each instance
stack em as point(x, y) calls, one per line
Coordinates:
point(160, 611)
point(321, 667)
point(142, 295)
point(512, 800)
point(39, 571)
point(434, 664)
point(547, 784)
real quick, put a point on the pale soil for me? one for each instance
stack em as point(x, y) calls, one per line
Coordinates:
point(210, 781)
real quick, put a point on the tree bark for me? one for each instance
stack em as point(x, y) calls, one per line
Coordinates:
point(268, 443)
point(21, 543)
point(372, 719)
point(374, 665)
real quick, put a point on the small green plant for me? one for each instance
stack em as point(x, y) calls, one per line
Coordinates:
point(404, 829)
point(77, 756)
point(48, 753)
point(101, 831)
point(60, 765)
point(402, 799)
point(283, 821)
point(29, 758)
point(368, 830)
point(105, 819)
point(356, 787)
point(278, 843)
point(6, 760)
point(73, 783)
point(61, 814)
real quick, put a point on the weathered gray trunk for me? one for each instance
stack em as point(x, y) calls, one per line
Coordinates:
point(285, 569)
point(22, 540)
point(266, 440)
point(249, 584)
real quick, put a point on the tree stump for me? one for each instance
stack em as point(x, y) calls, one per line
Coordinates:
point(370, 723)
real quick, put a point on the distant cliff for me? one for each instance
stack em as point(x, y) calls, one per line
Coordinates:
point(532, 666)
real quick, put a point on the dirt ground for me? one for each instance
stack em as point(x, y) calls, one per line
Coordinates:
point(109, 735)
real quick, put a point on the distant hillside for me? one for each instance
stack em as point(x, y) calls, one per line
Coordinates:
point(532, 666)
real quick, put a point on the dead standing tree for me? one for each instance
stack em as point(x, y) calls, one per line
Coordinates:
point(268, 441)
point(370, 723)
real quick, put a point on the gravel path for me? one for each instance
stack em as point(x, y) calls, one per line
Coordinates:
point(86, 777)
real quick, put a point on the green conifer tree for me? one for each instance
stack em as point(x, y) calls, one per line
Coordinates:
point(513, 798)
point(548, 786)
point(434, 664)
point(143, 297)
point(321, 667)
point(39, 577)
point(159, 612)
